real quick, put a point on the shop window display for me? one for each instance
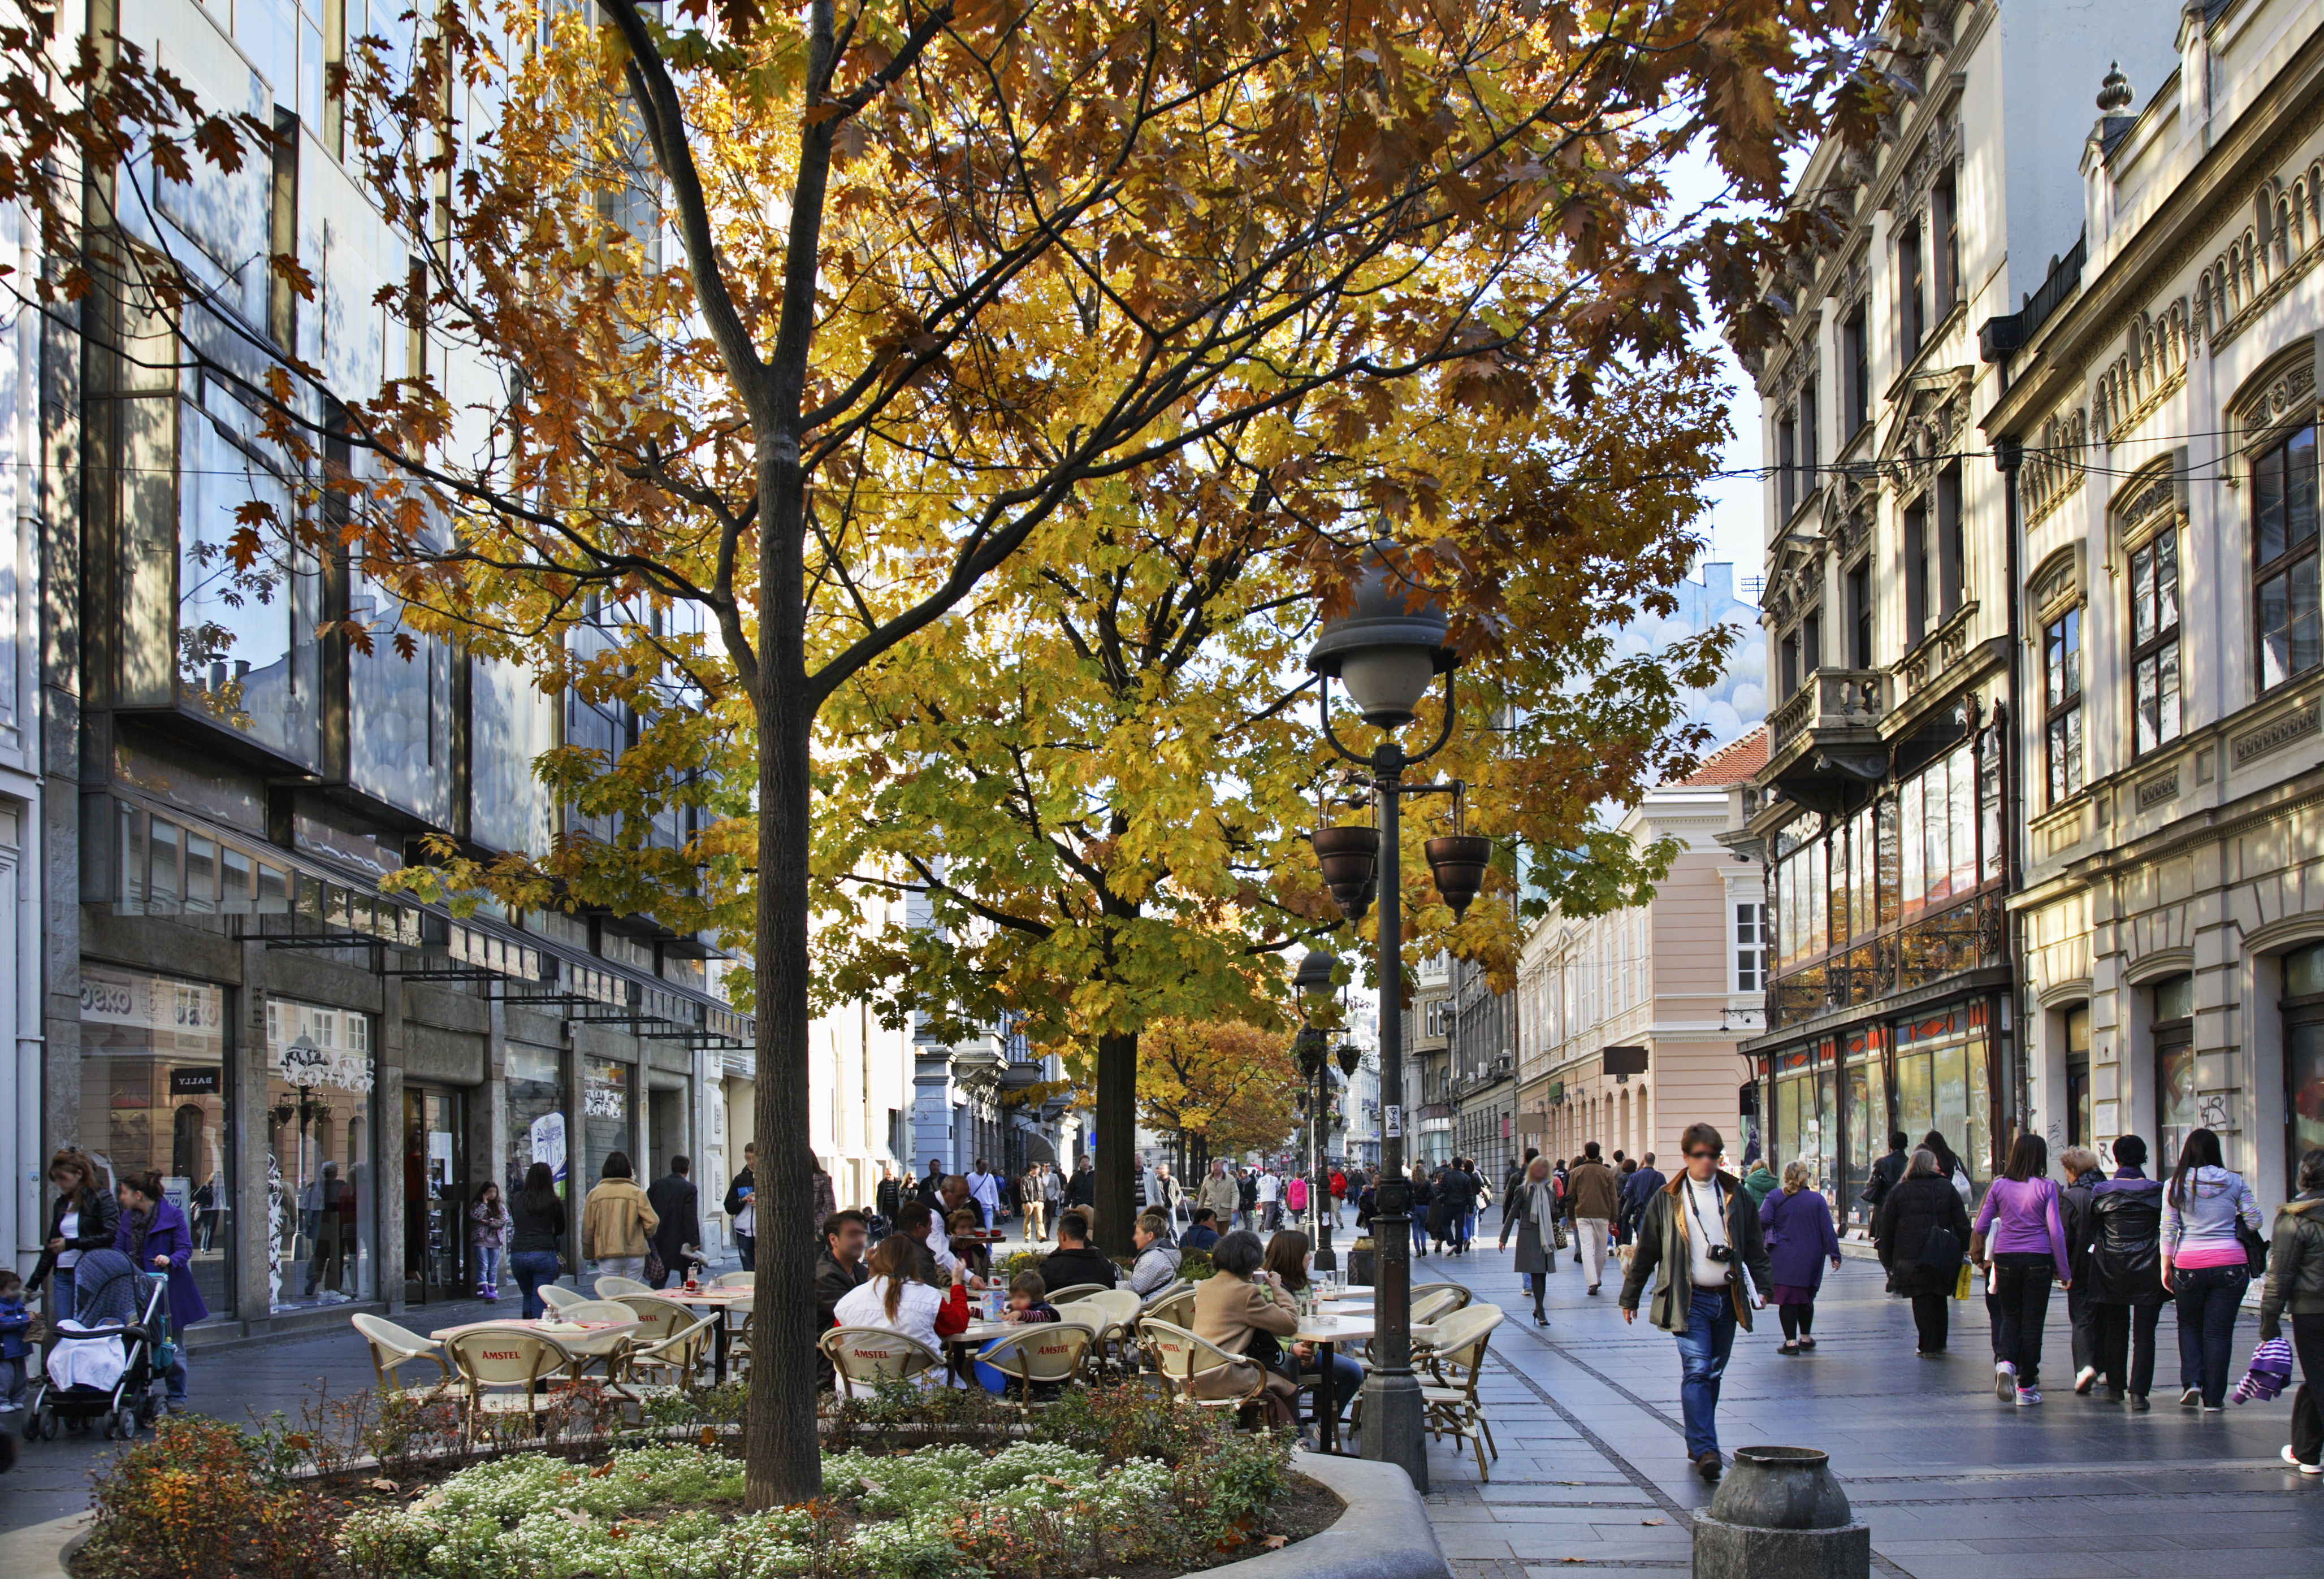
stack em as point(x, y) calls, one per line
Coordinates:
point(154, 1096)
point(322, 1227)
point(606, 1101)
point(536, 1118)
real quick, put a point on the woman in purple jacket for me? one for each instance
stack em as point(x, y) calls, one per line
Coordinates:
point(1800, 1240)
point(154, 1235)
point(2029, 1248)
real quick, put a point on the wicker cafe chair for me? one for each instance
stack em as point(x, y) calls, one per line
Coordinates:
point(1076, 1291)
point(677, 1356)
point(1460, 1293)
point(558, 1297)
point(1048, 1355)
point(865, 1356)
point(1183, 1358)
point(496, 1357)
point(736, 1281)
point(1452, 1405)
point(1117, 1334)
point(393, 1346)
point(1438, 1300)
point(610, 1287)
point(1174, 1303)
point(663, 1317)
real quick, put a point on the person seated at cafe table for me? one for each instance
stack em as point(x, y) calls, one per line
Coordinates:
point(1245, 1312)
point(1029, 1299)
point(839, 1271)
point(1076, 1260)
point(966, 1228)
point(1156, 1266)
point(1203, 1233)
point(1287, 1266)
point(895, 1298)
point(918, 1224)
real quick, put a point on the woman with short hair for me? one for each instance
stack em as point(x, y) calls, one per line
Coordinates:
point(617, 1221)
point(1921, 1231)
point(1797, 1222)
point(1247, 1312)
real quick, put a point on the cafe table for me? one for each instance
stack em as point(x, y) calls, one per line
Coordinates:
point(959, 1347)
point(602, 1341)
point(1327, 1331)
point(719, 1301)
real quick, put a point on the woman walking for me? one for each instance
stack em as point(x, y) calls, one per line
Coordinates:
point(2204, 1265)
point(1423, 1197)
point(2125, 1271)
point(82, 1219)
point(617, 1221)
point(535, 1229)
point(156, 1236)
point(1533, 1213)
point(1797, 1222)
point(2295, 1285)
point(2029, 1248)
point(1921, 1232)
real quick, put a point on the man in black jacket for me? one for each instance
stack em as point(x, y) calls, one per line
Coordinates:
point(1076, 1260)
point(839, 1270)
point(1082, 1191)
point(742, 1215)
point(1885, 1173)
point(888, 1195)
point(678, 1237)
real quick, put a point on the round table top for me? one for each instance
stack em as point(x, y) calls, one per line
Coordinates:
point(709, 1296)
point(592, 1336)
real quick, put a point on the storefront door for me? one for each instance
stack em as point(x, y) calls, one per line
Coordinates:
point(435, 1195)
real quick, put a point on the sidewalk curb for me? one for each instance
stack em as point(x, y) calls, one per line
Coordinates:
point(38, 1551)
point(1384, 1534)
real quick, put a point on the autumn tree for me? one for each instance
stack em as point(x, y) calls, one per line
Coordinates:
point(750, 348)
point(1230, 1084)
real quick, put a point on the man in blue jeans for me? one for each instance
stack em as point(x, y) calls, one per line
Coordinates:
point(1700, 1243)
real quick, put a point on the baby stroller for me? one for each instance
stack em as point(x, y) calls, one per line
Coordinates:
point(108, 1363)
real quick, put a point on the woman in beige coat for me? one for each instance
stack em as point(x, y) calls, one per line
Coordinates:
point(1244, 1311)
point(616, 1221)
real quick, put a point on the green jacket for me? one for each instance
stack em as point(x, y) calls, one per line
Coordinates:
point(2295, 1265)
point(1759, 1184)
point(1661, 1253)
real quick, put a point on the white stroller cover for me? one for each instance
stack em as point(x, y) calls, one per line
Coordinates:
point(86, 1361)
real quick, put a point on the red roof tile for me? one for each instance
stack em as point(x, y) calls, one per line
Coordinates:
point(1731, 764)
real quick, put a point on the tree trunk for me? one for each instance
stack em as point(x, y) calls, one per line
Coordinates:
point(1116, 1137)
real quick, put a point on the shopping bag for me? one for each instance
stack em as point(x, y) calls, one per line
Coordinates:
point(1961, 1284)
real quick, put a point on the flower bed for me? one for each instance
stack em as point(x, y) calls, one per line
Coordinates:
point(1118, 1481)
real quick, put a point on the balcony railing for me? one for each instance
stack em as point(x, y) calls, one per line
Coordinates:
point(1832, 699)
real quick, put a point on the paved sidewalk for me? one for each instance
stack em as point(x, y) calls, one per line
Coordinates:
point(1956, 1484)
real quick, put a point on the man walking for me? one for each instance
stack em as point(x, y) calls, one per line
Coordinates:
point(1700, 1245)
point(1596, 1200)
point(1637, 1189)
point(677, 1238)
point(1221, 1193)
point(1270, 1200)
point(888, 1195)
point(1246, 1197)
point(1029, 1189)
point(1885, 1173)
point(1082, 1190)
point(985, 1190)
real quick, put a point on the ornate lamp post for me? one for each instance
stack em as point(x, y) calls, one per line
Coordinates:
point(1310, 1050)
point(1387, 651)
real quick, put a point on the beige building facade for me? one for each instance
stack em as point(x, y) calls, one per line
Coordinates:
point(1627, 1023)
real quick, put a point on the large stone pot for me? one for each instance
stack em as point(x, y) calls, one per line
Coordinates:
point(1781, 1488)
point(1780, 1514)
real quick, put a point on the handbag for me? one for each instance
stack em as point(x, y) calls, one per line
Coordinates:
point(1940, 1249)
point(2256, 1248)
point(655, 1270)
point(1961, 1283)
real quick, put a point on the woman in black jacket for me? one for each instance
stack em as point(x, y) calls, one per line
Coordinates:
point(2125, 1273)
point(1921, 1232)
point(536, 1228)
point(83, 1218)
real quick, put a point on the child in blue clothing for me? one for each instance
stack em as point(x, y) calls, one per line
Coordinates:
point(16, 1322)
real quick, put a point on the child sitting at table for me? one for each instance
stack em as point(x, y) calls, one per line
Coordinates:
point(1029, 1299)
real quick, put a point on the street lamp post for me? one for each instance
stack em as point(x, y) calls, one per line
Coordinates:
point(1386, 651)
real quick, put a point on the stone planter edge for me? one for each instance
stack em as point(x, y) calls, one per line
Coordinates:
point(1382, 1533)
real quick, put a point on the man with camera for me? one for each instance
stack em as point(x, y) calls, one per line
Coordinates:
point(1699, 1242)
